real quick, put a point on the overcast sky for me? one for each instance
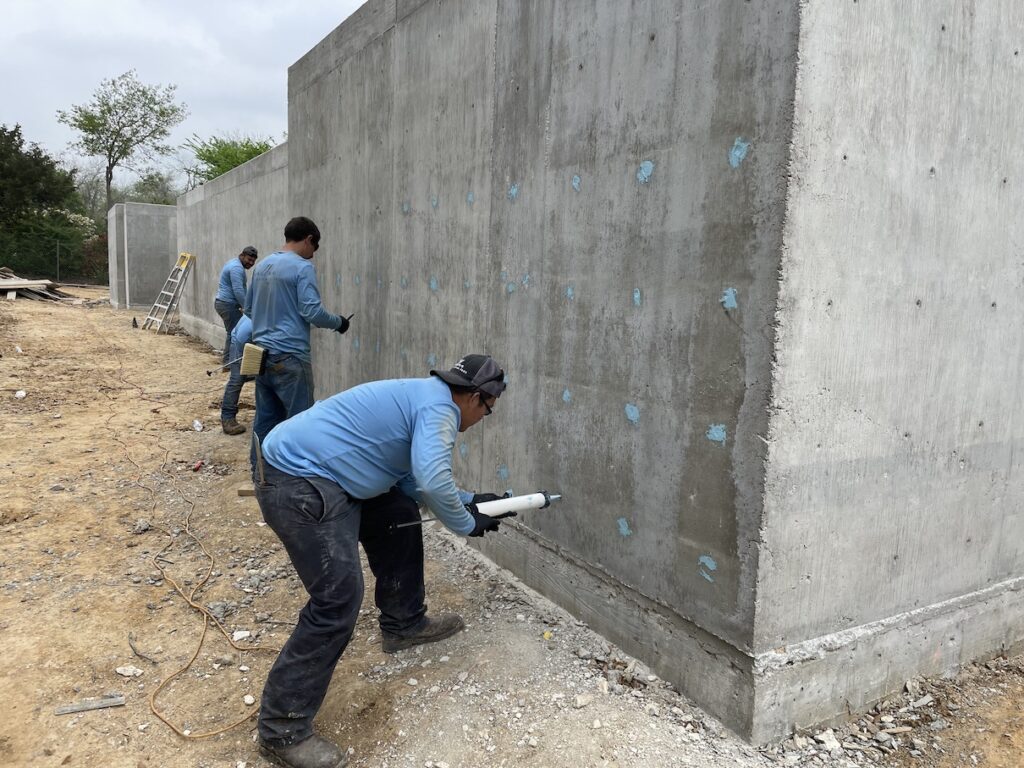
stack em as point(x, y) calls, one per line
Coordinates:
point(229, 58)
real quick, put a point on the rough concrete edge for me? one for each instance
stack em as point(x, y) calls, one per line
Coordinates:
point(823, 681)
point(708, 670)
point(276, 158)
point(211, 333)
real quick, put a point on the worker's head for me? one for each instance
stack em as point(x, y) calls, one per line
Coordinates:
point(301, 236)
point(476, 383)
point(248, 256)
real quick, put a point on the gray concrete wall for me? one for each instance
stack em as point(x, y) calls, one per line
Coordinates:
point(246, 206)
point(593, 193)
point(893, 539)
point(139, 253)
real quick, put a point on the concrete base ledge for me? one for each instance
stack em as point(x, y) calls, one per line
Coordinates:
point(826, 678)
point(699, 664)
point(211, 333)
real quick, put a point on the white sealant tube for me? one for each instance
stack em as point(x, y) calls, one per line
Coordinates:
point(537, 500)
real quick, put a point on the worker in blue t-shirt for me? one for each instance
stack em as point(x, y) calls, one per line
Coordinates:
point(283, 301)
point(230, 296)
point(229, 402)
point(348, 471)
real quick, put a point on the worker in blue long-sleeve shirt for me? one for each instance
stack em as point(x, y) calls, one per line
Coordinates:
point(230, 296)
point(345, 472)
point(283, 301)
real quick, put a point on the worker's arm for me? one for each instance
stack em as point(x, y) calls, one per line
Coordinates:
point(310, 307)
point(238, 283)
point(432, 444)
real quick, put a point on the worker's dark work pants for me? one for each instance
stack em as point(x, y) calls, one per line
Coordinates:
point(321, 528)
point(283, 389)
point(230, 313)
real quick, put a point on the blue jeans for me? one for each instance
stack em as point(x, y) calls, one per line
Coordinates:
point(230, 313)
point(283, 389)
point(229, 403)
point(321, 528)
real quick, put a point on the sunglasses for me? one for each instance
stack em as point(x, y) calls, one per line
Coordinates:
point(483, 402)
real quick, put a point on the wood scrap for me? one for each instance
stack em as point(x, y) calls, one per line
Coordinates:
point(38, 290)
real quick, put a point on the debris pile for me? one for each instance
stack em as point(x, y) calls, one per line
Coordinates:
point(12, 286)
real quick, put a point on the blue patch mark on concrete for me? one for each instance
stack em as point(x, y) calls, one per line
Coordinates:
point(716, 433)
point(403, 281)
point(433, 202)
point(503, 275)
point(355, 343)
point(337, 281)
point(433, 283)
point(406, 207)
point(379, 282)
point(738, 152)
point(502, 473)
point(728, 299)
point(513, 193)
point(358, 280)
point(632, 413)
point(570, 292)
point(376, 347)
point(566, 396)
point(637, 297)
point(645, 171)
point(404, 353)
point(707, 565)
point(526, 279)
point(510, 288)
point(624, 529)
point(465, 284)
point(470, 198)
point(463, 450)
point(431, 359)
point(576, 182)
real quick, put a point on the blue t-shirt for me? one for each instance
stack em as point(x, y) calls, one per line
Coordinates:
point(283, 301)
point(231, 287)
point(372, 437)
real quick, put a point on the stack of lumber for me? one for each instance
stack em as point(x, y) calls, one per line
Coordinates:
point(13, 286)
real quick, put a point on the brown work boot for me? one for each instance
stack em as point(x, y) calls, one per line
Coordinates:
point(231, 427)
point(314, 752)
point(445, 625)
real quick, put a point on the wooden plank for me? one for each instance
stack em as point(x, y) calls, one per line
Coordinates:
point(9, 283)
point(11, 295)
point(246, 490)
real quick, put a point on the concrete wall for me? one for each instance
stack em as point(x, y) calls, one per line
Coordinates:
point(592, 193)
point(893, 539)
point(139, 256)
point(246, 206)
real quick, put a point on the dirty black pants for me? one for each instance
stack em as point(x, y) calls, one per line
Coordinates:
point(321, 528)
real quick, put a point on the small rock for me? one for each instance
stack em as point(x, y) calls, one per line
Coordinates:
point(412, 681)
point(249, 699)
point(828, 740)
point(597, 724)
point(532, 741)
point(141, 526)
point(241, 634)
point(463, 676)
point(583, 653)
point(20, 394)
point(243, 668)
point(143, 727)
point(882, 737)
point(18, 349)
point(582, 700)
point(56, 487)
point(939, 724)
point(197, 425)
point(129, 671)
point(924, 701)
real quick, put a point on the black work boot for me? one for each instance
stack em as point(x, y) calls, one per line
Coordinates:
point(231, 427)
point(314, 752)
point(445, 625)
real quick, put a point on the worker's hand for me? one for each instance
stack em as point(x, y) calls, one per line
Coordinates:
point(344, 325)
point(483, 523)
point(480, 498)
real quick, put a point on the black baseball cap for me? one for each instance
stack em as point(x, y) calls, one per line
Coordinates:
point(477, 371)
point(249, 250)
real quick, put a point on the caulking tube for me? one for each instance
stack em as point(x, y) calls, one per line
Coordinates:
point(538, 500)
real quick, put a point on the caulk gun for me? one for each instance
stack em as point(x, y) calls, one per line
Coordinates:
point(538, 500)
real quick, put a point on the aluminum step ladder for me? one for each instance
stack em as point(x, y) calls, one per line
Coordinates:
point(167, 301)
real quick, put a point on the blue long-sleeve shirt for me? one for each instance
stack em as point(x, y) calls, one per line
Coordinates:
point(372, 437)
point(231, 287)
point(240, 336)
point(283, 301)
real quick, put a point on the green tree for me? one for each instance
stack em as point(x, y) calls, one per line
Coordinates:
point(30, 178)
point(153, 187)
point(126, 119)
point(216, 155)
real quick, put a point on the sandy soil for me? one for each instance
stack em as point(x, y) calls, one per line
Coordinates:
point(108, 495)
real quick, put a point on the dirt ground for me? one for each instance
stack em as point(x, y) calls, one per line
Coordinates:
point(109, 497)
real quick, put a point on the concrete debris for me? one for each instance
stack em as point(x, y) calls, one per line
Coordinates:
point(582, 700)
point(249, 699)
point(141, 526)
point(128, 671)
point(21, 394)
point(241, 634)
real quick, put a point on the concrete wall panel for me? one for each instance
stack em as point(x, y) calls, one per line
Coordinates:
point(139, 257)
